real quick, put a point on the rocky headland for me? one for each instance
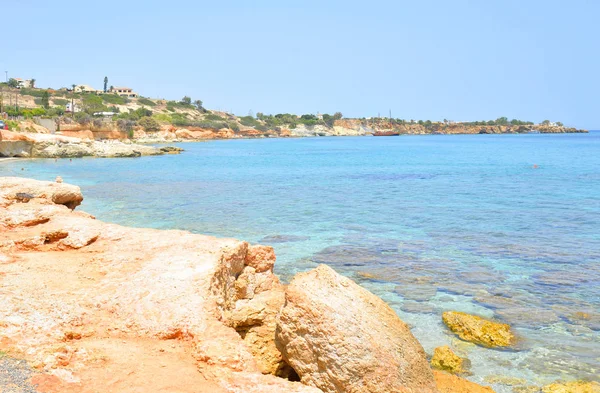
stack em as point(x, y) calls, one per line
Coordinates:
point(93, 306)
point(43, 145)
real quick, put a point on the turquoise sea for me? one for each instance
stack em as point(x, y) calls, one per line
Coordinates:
point(505, 226)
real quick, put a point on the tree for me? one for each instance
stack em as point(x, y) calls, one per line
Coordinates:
point(337, 116)
point(502, 121)
point(149, 124)
point(198, 104)
point(46, 99)
point(186, 100)
point(73, 87)
point(558, 123)
point(546, 122)
point(33, 83)
point(12, 82)
point(105, 83)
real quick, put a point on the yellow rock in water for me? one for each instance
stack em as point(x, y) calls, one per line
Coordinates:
point(448, 383)
point(446, 360)
point(572, 387)
point(478, 330)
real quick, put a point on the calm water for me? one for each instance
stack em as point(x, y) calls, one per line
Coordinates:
point(429, 223)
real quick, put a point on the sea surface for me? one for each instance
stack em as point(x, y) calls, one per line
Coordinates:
point(504, 226)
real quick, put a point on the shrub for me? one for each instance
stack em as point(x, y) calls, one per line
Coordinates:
point(92, 103)
point(125, 125)
point(114, 99)
point(83, 118)
point(213, 117)
point(163, 117)
point(250, 121)
point(234, 126)
point(149, 124)
point(97, 123)
point(145, 101)
point(32, 92)
point(60, 101)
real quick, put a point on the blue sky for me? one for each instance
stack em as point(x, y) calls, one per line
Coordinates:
point(459, 60)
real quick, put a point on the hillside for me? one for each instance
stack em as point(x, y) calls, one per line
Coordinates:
point(109, 116)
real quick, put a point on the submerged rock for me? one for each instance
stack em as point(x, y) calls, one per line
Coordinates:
point(448, 383)
point(478, 330)
point(572, 387)
point(446, 360)
point(283, 239)
point(339, 337)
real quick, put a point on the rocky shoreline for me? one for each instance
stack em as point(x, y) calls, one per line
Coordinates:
point(108, 141)
point(34, 145)
point(93, 306)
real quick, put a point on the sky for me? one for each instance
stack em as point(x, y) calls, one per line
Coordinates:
point(460, 60)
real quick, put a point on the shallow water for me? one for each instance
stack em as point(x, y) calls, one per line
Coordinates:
point(429, 223)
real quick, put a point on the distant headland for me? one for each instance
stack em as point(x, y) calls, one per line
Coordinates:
point(80, 111)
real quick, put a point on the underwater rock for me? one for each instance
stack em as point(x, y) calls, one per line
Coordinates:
point(478, 330)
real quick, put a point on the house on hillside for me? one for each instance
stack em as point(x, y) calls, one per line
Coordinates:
point(124, 92)
point(86, 89)
point(24, 83)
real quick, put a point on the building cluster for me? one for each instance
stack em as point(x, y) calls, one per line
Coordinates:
point(121, 91)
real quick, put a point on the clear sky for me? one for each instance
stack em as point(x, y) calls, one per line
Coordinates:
point(426, 59)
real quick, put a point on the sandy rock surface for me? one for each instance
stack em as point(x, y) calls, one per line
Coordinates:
point(337, 336)
point(100, 307)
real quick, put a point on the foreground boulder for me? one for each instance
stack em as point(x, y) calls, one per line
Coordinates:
point(339, 337)
point(478, 330)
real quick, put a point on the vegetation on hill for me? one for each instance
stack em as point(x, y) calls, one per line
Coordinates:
point(190, 113)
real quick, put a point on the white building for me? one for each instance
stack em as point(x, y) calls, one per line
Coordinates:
point(24, 83)
point(70, 109)
point(86, 89)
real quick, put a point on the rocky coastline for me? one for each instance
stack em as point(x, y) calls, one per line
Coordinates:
point(38, 145)
point(93, 306)
point(106, 140)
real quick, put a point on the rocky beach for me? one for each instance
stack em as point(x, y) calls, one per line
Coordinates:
point(96, 306)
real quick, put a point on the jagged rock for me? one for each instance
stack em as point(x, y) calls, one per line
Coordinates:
point(478, 330)
point(339, 337)
point(446, 360)
point(448, 383)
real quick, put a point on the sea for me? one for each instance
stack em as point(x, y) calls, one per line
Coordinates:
point(502, 226)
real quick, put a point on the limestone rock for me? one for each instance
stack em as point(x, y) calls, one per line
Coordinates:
point(478, 330)
point(446, 360)
point(52, 192)
point(572, 387)
point(448, 383)
point(339, 337)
